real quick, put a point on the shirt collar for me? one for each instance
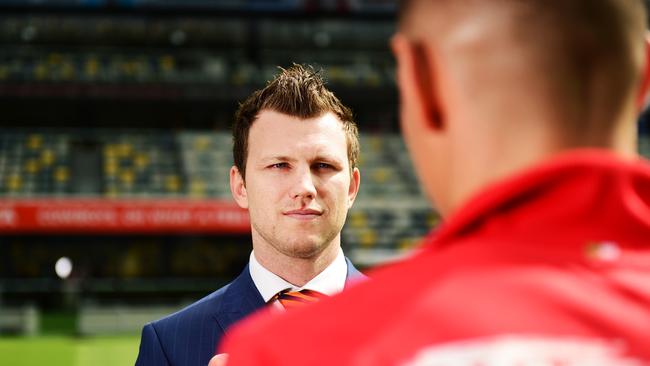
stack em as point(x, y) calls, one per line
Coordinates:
point(329, 282)
point(568, 171)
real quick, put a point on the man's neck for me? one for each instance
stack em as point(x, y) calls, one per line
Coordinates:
point(297, 271)
point(496, 158)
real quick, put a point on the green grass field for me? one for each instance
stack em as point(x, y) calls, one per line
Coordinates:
point(68, 351)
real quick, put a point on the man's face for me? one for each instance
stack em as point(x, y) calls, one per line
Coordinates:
point(298, 186)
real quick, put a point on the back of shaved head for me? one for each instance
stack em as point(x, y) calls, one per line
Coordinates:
point(587, 55)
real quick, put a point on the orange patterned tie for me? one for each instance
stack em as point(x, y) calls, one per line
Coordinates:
point(295, 299)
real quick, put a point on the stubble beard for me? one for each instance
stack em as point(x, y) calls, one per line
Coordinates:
point(300, 248)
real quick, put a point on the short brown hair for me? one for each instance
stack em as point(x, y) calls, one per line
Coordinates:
point(298, 91)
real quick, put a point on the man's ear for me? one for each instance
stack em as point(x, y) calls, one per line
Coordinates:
point(642, 95)
point(238, 188)
point(416, 76)
point(353, 190)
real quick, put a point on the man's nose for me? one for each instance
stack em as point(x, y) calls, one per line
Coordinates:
point(304, 185)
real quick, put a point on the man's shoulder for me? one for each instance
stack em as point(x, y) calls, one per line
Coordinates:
point(188, 315)
point(195, 324)
point(201, 324)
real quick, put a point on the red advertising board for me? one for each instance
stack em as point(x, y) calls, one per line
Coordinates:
point(122, 216)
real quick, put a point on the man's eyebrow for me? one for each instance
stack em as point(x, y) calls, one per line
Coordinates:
point(327, 158)
point(276, 158)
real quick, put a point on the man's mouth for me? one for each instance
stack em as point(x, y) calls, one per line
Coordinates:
point(303, 214)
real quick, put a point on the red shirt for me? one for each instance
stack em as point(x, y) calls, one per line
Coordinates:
point(551, 266)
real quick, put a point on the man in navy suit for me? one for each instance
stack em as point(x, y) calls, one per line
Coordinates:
point(295, 150)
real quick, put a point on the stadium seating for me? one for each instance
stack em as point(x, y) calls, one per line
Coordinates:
point(206, 158)
point(141, 164)
point(34, 164)
point(644, 145)
point(21, 65)
point(390, 214)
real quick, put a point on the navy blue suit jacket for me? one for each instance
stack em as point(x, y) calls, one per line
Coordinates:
point(190, 336)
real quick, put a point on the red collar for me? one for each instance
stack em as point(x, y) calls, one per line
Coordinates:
point(575, 171)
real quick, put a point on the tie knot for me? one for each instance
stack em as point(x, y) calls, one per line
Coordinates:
point(294, 299)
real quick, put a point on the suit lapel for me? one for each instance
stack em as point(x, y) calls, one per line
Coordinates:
point(353, 274)
point(240, 299)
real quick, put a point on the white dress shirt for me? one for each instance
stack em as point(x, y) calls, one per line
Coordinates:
point(329, 282)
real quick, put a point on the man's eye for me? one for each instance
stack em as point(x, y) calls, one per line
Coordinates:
point(323, 166)
point(280, 165)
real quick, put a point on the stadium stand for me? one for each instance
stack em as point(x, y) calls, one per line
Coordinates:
point(141, 164)
point(206, 158)
point(33, 164)
point(644, 146)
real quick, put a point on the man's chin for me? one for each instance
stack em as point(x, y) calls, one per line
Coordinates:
point(305, 249)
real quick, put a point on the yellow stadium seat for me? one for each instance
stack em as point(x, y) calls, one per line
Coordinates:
point(172, 183)
point(54, 58)
point(433, 220)
point(197, 186)
point(111, 167)
point(407, 244)
point(124, 150)
point(41, 71)
point(32, 166)
point(141, 161)
point(127, 176)
point(35, 141)
point(380, 175)
point(358, 219)
point(68, 71)
point(92, 67)
point(368, 238)
point(110, 150)
point(14, 182)
point(62, 174)
point(202, 143)
point(376, 143)
point(167, 63)
point(47, 157)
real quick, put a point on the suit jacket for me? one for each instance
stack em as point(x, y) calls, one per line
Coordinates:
point(190, 336)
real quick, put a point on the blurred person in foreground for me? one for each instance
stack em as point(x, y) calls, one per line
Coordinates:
point(520, 118)
point(295, 150)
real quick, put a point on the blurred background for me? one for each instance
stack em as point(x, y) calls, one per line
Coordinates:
point(115, 148)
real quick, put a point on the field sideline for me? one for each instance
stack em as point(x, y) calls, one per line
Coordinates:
point(68, 351)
